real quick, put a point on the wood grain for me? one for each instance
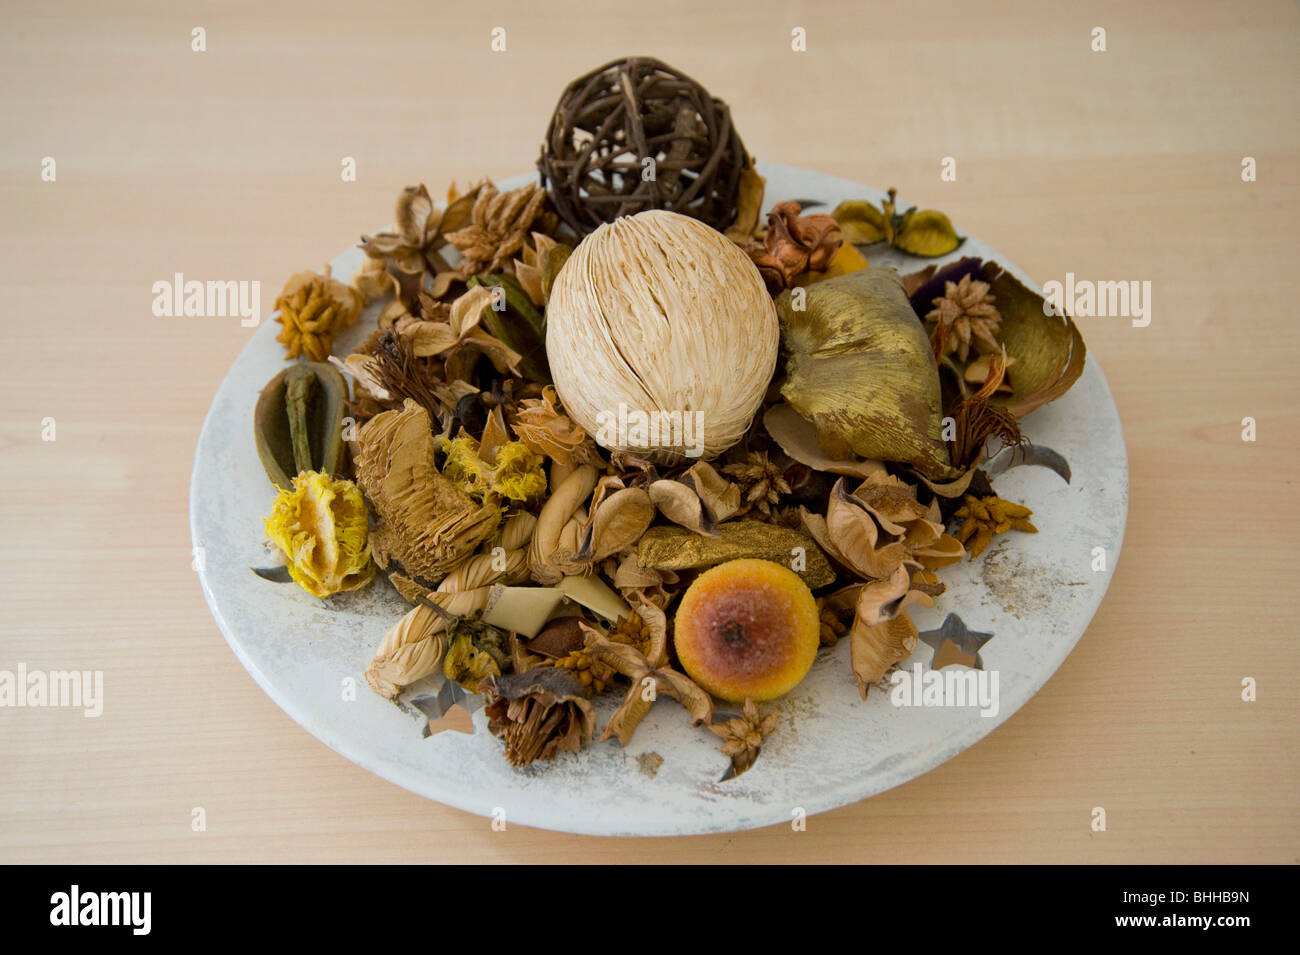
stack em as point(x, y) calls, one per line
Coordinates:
point(225, 165)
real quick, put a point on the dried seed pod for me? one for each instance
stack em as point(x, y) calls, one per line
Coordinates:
point(298, 422)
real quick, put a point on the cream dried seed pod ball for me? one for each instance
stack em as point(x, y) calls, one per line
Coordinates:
point(661, 337)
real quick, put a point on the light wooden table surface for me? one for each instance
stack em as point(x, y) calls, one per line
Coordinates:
point(1115, 165)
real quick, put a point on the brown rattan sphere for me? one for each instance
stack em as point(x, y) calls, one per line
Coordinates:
point(611, 120)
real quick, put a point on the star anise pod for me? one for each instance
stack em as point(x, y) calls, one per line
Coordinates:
point(964, 317)
point(498, 227)
point(761, 483)
point(742, 736)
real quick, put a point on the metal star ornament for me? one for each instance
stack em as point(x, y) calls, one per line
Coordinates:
point(954, 630)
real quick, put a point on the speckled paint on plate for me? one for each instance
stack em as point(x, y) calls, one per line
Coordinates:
point(1037, 593)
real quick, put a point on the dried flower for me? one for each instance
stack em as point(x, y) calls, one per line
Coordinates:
point(761, 480)
point(476, 651)
point(539, 714)
point(698, 499)
point(964, 316)
point(372, 279)
point(742, 736)
point(320, 524)
point(876, 528)
point(499, 224)
point(793, 244)
point(540, 264)
point(986, 517)
point(546, 430)
point(649, 675)
point(414, 646)
point(633, 630)
point(924, 232)
point(508, 472)
point(879, 647)
point(421, 230)
point(313, 309)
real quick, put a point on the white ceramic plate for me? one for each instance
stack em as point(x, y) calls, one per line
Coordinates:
point(1037, 593)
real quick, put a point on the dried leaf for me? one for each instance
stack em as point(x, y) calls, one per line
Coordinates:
point(927, 233)
point(861, 222)
point(878, 648)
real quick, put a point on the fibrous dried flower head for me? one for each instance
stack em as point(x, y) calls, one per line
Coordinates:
point(498, 226)
point(964, 318)
point(313, 309)
point(539, 714)
point(425, 525)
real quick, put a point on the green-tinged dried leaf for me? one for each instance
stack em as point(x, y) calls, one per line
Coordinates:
point(519, 325)
point(298, 422)
point(861, 223)
point(1048, 350)
point(860, 368)
point(926, 233)
point(676, 548)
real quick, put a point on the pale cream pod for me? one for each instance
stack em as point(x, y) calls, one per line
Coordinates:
point(659, 315)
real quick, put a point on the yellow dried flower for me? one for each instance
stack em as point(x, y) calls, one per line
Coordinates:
point(989, 516)
point(313, 309)
point(589, 672)
point(515, 473)
point(320, 524)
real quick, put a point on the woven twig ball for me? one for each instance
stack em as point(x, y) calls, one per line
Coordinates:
point(609, 122)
